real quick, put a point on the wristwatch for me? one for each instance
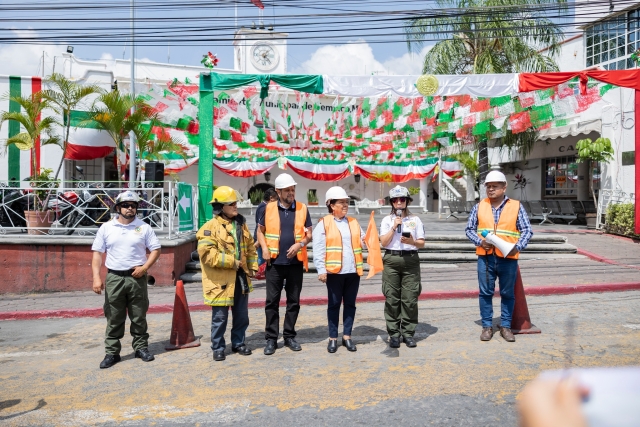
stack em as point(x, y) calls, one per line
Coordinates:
point(303, 244)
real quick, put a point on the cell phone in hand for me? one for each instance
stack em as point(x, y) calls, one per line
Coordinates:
point(406, 234)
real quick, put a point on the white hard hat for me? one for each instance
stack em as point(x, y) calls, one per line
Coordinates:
point(399, 191)
point(495, 176)
point(284, 180)
point(127, 196)
point(335, 193)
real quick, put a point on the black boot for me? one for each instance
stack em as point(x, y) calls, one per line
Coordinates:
point(109, 360)
point(144, 354)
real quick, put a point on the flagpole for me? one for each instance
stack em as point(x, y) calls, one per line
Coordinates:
point(132, 137)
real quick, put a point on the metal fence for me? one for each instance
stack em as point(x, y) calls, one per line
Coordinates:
point(607, 197)
point(46, 208)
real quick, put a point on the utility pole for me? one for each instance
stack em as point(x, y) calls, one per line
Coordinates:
point(132, 137)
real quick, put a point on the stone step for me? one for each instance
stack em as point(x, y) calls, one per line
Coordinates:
point(429, 261)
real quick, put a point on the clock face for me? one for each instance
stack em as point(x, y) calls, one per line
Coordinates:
point(264, 56)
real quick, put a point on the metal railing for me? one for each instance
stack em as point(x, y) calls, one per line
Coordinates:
point(607, 197)
point(46, 208)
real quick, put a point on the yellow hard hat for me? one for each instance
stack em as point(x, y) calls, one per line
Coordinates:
point(224, 195)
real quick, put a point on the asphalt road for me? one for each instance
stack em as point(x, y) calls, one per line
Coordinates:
point(49, 369)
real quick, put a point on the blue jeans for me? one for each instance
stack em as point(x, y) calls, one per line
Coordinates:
point(342, 288)
point(505, 271)
point(240, 322)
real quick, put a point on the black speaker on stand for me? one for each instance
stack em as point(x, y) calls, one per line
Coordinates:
point(154, 174)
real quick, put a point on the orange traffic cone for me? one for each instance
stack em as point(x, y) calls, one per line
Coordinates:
point(521, 322)
point(182, 335)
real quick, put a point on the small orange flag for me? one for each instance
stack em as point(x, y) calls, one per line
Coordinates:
point(372, 239)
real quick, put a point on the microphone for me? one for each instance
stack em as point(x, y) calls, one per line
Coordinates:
point(399, 214)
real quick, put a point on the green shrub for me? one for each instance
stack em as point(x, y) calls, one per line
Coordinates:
point(256, 197)
point(621, 219)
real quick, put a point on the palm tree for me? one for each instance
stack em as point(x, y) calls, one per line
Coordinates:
point(64, 96)
point(112, 113)
point(151, 145)
point(489, 36)
point(33, 123)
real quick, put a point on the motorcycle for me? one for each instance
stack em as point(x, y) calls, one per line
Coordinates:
point(83, 207)
point(12, 206)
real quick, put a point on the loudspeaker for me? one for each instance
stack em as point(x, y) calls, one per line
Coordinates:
point(505, 247)
point(154, 174)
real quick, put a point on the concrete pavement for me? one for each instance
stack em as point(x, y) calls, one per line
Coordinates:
point(537, 272)
point(50, 375)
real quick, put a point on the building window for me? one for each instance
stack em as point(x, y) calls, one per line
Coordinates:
point(561, 177)
point(610, 43)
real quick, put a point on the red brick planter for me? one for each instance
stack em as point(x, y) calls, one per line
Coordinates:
point(52, 263)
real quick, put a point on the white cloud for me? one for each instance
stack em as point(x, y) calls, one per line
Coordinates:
point(26, 59)
point(358, 59)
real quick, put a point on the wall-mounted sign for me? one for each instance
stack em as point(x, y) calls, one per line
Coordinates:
point(561, 179)
point(564, 148)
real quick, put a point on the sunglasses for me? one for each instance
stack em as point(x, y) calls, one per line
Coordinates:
point(129, 206)
point(399, 199)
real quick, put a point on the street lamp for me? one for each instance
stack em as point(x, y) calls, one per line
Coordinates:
point(357, 177)
point(267, 176)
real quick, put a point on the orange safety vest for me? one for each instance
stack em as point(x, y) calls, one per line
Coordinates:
point(272, 232)
point(505, 229)
point(333, 258)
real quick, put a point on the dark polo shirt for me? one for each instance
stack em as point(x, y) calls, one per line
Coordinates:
point(287, 238)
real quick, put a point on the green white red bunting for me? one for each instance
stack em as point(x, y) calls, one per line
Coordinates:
point(329, 137)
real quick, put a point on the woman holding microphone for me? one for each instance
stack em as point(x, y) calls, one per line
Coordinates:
point(401, 234)
point(337, 255)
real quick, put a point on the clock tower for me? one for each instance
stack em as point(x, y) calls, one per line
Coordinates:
point(260, 52)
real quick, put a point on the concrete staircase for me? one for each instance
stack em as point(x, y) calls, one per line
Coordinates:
point(449, 249)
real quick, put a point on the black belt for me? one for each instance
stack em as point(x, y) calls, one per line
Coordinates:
point(122, 273)
point(399, 253)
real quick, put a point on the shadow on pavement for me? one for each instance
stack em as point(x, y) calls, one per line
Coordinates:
point(9, 403)
point(424, 331)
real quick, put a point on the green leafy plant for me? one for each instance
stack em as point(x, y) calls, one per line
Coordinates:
point(621, 219)
point(153, 141)
point(506, 37)
point(256, 197)
point(63, 97)
point(599, 150)
point(45, 185)
point(414, 190)
point(32, 125)
point(111, 112)
point(312, 197)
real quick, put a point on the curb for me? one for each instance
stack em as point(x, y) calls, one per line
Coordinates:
point(322, 300)
point(598, 258)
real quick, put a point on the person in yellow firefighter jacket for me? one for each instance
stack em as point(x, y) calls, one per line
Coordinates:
point(229, 260)
point(508, 220)
point(337, 255)
point(284, 232)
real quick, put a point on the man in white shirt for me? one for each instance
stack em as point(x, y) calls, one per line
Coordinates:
point(125, 240)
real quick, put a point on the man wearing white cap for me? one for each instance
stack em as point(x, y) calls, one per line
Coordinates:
point(507, 219)
point(284, 232)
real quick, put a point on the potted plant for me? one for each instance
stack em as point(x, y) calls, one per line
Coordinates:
point(312, 198)
point(590, 151)
point(256, 197)
point(414, 191)
point(38, 216)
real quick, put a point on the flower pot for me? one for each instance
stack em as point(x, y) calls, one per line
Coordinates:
point(312, 203)
point(39, 220)
point(591, 220)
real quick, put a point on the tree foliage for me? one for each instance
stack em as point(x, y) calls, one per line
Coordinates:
point(489, 36)
point(32, 124)
point(64, 96)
